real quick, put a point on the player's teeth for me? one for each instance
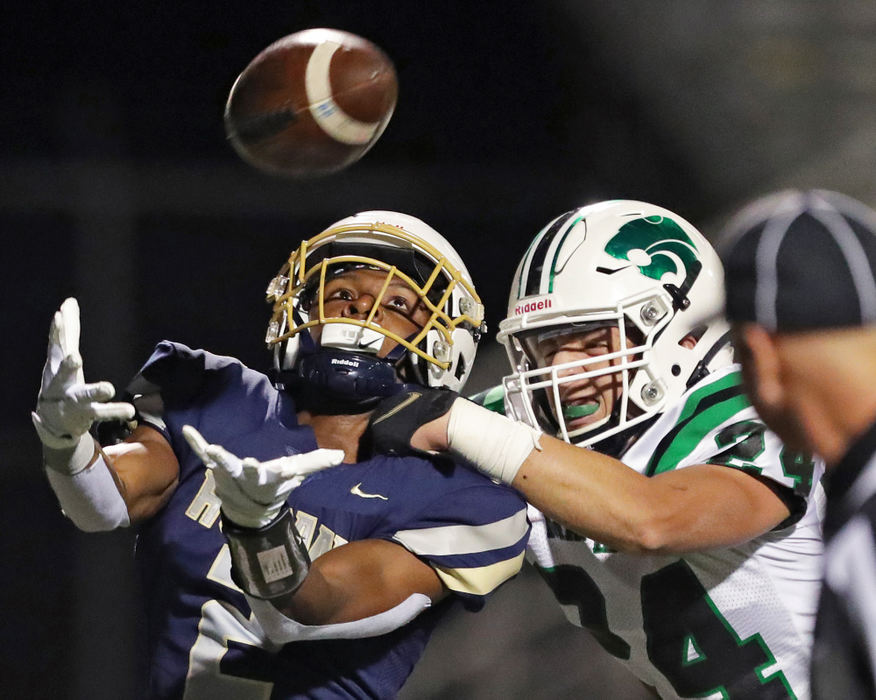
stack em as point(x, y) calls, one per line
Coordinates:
point(580, 410)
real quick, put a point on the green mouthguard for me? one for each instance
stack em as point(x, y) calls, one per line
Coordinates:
point(580, 411)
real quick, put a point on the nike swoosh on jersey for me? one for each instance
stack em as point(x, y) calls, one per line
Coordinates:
point(356, 491)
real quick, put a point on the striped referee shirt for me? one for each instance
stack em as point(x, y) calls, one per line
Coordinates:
point(844, 658)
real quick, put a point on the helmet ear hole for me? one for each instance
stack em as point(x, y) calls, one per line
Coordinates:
point(676, 370)
point(461, 368)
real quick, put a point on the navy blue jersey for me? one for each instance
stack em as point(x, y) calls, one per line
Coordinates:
point(203, 639)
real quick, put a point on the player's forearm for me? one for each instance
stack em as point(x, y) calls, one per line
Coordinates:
point(319, 601)
point(102, 489)
point(271, 563)
point(311, 604)
point(359, 580)
point(365, 588)
point(85, 486)
point(594, 495)
point(697, 508)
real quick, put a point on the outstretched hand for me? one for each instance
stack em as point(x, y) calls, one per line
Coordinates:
point(253, 492)
point(66, 405)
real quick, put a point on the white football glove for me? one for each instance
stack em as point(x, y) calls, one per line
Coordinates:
point(253, 493)
point(66, 405)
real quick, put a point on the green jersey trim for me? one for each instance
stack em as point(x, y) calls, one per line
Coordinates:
point(492, 399)
point(705, 409)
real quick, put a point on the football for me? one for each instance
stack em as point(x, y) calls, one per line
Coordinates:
point(312, 103)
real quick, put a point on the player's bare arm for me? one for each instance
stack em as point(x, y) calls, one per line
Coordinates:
point(701, 507)
point(359, 580)
point(356, 581)
point(146, 471)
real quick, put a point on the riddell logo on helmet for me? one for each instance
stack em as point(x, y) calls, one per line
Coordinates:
point(532, 305)
point(348, 363)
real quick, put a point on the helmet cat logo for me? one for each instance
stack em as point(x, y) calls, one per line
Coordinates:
point(666, 247)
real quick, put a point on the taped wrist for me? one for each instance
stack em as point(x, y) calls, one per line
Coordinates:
point(494, 444)
point(90, 497)
point(267, 562)
point(73, 459)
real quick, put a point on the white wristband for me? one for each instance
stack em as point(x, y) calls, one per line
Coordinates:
point(494, 444)
point(70, 460)
point(90, 497)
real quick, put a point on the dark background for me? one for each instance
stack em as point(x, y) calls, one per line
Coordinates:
point(117, 187)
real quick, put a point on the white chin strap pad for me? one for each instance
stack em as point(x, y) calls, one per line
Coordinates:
point(345, 336)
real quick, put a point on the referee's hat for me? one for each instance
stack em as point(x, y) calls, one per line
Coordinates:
point(801, 260)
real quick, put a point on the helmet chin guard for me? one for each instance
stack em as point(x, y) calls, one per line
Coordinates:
point(339, 381)
point(342, 368)
point(342, 373)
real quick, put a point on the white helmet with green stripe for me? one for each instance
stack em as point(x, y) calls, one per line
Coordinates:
point(620, 263)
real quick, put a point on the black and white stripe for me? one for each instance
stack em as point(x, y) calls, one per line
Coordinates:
point(844, 657)
point(535, 267)
point(797, 260)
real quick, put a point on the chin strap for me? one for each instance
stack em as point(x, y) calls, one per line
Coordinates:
point(702, 367)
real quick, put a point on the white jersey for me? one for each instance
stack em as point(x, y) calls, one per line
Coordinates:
point(726, 623)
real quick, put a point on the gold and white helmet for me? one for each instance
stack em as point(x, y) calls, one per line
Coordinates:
point(620, 263)
point(441, 354)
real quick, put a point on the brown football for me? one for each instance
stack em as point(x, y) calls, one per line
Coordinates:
point(311, 103)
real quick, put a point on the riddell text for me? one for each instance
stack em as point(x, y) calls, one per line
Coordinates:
point(532, 306)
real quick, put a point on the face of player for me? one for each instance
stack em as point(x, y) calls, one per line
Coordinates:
point(354, 293)
point(590, 399)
